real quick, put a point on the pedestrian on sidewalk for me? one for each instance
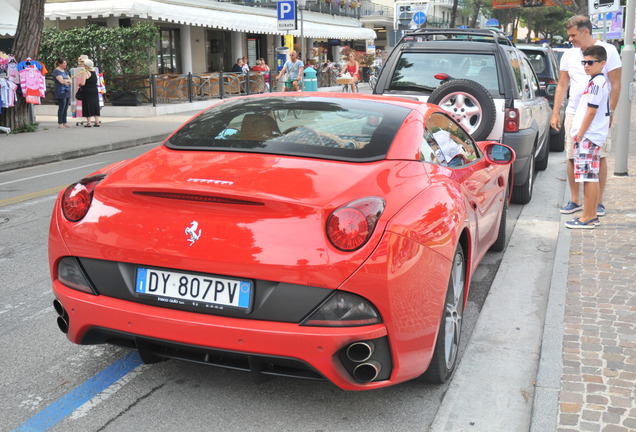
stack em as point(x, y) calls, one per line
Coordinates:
point(238, 66)
point(89, 81)
point(590, 127)
point(573, 75)
point(62, 91)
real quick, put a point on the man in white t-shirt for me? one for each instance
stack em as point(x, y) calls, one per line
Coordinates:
point(572, 74)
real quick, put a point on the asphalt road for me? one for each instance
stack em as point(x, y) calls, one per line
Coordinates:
point(49, 383)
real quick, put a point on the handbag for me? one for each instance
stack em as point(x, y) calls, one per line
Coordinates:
point(80, 94)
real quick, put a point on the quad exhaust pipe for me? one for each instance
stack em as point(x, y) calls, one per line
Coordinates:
point(366, 370)
point(359, 352)
point(62, 318)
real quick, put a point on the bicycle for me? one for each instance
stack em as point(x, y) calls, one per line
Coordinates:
point(283, 113)
point(373, 77)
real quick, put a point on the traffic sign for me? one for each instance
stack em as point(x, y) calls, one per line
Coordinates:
point(419, 18)
point(286, 14)
point(603, 6)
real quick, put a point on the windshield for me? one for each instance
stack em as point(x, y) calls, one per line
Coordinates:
point(320, 127)
point(416, 70)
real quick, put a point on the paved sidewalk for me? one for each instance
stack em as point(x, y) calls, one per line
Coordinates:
point(598, 385)
point(586, 377)
point(587, 372)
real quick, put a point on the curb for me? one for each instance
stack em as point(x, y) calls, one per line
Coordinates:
point(78, 153)
point(547, 386)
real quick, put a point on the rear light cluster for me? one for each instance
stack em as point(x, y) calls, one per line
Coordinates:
point(77, 198)
point(349, 227)
point(71, 274)
point(511, 120)
point(343, 309)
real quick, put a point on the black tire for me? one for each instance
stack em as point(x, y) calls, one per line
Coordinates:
point(446, 350)
point(500, 243)
point(469, 103)
point(542, 160)
point(522, 194)
point(557, 141)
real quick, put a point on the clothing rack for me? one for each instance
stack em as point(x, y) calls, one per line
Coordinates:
point(4, 129)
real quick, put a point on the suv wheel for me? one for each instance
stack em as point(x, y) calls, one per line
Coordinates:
point(542, 160)
point(522, 194)
point(468, 103)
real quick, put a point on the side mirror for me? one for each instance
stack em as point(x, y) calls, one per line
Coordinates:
point(550, 90)
point(499, 154)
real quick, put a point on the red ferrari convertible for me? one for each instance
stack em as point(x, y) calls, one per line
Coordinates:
point(336, 243)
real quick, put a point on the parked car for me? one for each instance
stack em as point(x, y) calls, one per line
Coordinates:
point(558, 53)
point(484, 82)
point(546, 67)
point(337, 245)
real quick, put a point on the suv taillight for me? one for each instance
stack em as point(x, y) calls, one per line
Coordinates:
point(511, 121)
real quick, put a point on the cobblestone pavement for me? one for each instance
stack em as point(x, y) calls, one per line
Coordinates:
point(598, 384)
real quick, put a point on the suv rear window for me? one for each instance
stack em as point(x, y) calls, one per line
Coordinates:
point(416, 71)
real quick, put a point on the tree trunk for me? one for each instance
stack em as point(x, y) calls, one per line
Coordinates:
point(473, 18)
point(453, 16)
point(27, 43)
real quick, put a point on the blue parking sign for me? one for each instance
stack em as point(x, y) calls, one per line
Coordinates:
point(286, 13)
point(286, 10)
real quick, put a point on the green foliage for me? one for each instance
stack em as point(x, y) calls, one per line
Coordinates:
point(28, 127)
point(115, 50)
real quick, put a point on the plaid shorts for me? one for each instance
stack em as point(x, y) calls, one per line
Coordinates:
point(587, 161)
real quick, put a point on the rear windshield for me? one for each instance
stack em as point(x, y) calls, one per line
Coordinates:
point(415, 71)
point(539, 61)
point(326, 128)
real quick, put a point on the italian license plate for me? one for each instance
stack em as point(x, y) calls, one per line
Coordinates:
point(193, 289)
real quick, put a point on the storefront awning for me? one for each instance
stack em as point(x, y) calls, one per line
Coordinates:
point(9, 16)
point(223, 16)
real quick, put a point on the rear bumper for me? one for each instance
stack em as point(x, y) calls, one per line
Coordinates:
point(100, 319)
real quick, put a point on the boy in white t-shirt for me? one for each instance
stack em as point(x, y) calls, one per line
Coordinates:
point(590, 127)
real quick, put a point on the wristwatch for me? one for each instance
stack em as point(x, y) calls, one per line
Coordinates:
point(611, 113)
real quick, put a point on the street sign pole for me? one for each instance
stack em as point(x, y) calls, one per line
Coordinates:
point(624, 107)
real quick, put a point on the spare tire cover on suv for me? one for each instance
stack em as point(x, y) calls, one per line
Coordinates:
point(468, 103)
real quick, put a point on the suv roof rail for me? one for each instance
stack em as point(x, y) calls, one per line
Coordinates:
point(484, 35)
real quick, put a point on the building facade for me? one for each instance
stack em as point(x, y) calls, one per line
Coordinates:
point(208, 35)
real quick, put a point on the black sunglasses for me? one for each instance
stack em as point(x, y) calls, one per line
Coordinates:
point(589, 62)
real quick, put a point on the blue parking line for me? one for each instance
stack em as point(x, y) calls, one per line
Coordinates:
point(64, 406)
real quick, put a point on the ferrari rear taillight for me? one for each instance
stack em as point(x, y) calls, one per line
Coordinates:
point(511, 121)
point(349, 227)
point(77, 198)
